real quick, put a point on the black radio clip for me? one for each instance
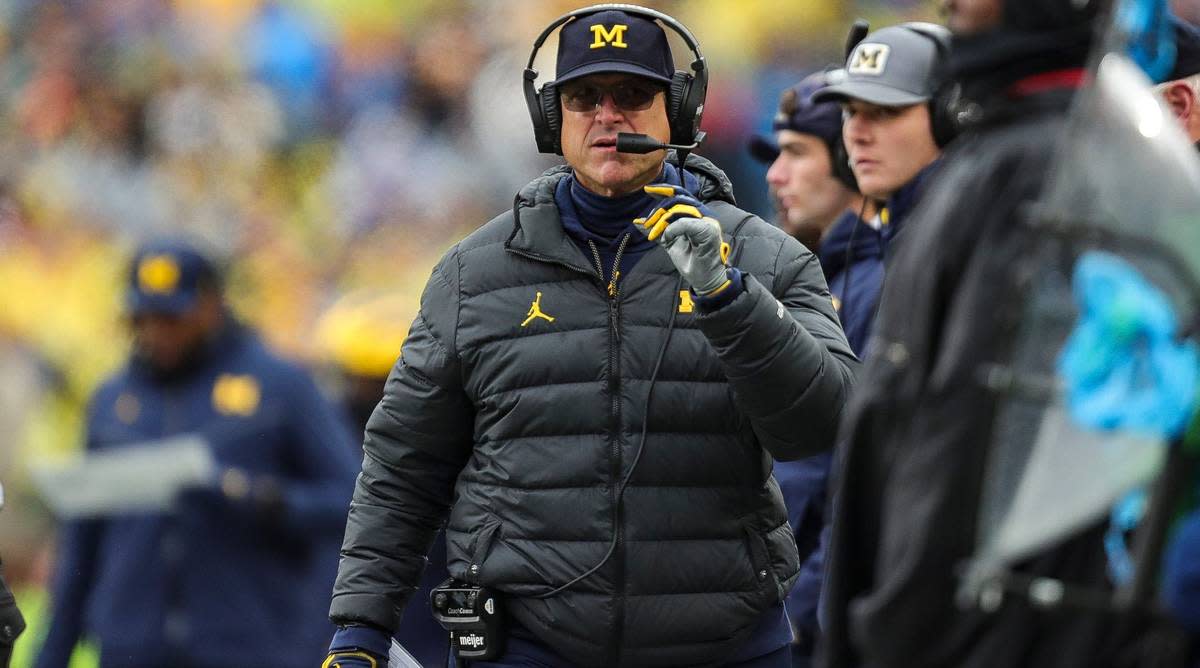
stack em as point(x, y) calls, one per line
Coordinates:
point(473, 616)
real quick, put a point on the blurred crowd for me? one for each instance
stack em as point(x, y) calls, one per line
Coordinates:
point(322, 150)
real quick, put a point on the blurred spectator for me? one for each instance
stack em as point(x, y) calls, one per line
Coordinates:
point(155, 588)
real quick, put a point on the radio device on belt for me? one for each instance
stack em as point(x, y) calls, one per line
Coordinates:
point(473, 616)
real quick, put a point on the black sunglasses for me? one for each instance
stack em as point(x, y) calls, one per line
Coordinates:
point(627, 96)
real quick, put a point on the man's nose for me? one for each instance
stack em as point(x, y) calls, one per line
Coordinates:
point(856, 131)
point(776, 173)
point(608, 111)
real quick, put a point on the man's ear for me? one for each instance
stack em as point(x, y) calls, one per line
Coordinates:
point(1180, 98)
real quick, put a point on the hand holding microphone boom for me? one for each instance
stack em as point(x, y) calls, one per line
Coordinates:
point(628, 142)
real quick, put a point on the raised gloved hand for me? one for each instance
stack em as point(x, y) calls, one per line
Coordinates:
point(691, 236)
point(353, 659)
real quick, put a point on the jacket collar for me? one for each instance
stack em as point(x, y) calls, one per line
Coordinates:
point(537, 227)
point(849, 240)
point(905, 199)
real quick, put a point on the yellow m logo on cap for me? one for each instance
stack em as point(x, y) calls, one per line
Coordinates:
point(158, 274)
point(603, 37)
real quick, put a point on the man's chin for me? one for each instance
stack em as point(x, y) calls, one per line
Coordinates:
point(805, 232)
point(877, 189)
point(620, 179)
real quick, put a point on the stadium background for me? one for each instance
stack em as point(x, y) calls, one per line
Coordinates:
point(322, 148)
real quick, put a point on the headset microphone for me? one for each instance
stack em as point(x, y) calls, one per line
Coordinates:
point(628, 142)
point(858, 32)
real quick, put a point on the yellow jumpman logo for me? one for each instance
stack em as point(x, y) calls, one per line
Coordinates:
point(535, 311)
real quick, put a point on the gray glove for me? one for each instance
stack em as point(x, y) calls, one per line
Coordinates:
point(691, 237)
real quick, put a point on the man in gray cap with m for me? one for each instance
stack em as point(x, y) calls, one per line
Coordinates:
point(894, 124)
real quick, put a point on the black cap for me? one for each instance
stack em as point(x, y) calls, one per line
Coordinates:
point(613, 41)
point(168, 277)
point(1187, 50)
point(799, 113)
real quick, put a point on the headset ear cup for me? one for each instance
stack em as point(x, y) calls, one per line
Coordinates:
point(681, 120)
point(943, 115)
point(551, 119)
point(841, 164)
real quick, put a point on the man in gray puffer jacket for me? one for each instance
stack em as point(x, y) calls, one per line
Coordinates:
point(595, 404)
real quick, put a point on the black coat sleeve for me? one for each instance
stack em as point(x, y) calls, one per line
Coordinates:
point(786, 356)
point(417, 441)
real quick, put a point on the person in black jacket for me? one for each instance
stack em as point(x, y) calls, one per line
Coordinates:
point(917, 431)
point(596, 408)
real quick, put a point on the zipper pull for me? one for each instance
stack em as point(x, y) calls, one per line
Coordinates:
point(612, 285)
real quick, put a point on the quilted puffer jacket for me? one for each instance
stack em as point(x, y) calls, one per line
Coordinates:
point(604, 456)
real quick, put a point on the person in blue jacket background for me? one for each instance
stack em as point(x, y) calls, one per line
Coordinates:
point(818, 201)
point(231, 574)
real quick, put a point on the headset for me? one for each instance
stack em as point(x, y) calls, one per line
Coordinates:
point(841, 163)
point(789, 104)
point(685, 97)
point(946, 111)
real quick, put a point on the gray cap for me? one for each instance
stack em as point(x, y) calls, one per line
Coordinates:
point(895, 66)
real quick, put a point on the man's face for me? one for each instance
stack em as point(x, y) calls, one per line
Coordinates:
point(968, 17)
point(802, 180)
point(888, 146)
point(589, 131)
point(168, 342)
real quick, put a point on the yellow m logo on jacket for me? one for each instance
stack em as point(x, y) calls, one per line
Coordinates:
point(602, 37)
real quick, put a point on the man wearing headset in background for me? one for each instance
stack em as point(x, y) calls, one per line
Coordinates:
point(918, 432)
point(596, 408)
point(893, 130)
point(819, 206)
point(807, 171)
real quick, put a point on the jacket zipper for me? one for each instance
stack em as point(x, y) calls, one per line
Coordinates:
point(612, 289)
point(614, 388)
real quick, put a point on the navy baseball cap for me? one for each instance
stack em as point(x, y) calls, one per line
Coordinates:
point(613, 41)
point(168, 277)
point(897, 66)
point(1187, 50)
point(799, 113)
